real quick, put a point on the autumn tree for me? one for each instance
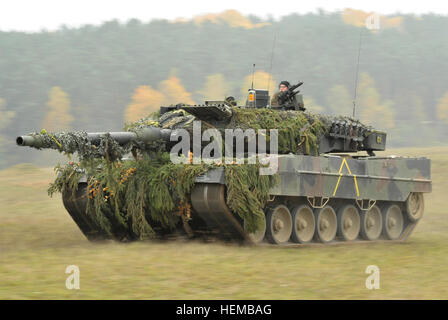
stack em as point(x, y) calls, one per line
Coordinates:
point(231, 17)
point(420, 126)
point(358, 18)
point(174, 92)
point(58, 116)
point(145, 100)
point(216, 88)
point(370, 107)
point(339, 101)
point(236, 19)
point(354, 17)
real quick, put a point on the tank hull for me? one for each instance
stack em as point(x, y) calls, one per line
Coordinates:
point(367, 185)
point(377, 178)
point(324, 199)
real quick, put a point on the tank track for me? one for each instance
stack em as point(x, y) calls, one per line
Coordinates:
point(208, 201)
point(76, 205)
point(218, 221)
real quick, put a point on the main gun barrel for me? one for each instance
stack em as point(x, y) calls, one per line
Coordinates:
point(145, 135)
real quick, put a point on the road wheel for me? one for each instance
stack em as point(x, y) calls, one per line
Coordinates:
point(371, 223)
point(278, 224)
point(415, 206)
point(392, 221)
point(303, 224)
point(349, 222)
point(326, 224)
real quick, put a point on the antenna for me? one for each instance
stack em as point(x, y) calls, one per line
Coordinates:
point(272, 58)
point(356, 75)
point(253, 70)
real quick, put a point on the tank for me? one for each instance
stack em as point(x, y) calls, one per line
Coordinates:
point(253, 174)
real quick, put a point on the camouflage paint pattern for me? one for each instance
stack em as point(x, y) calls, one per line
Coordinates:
point(344, 177)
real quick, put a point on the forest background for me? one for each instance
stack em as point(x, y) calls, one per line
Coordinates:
point(96, 78)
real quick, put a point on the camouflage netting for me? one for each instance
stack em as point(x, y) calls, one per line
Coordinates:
point(127, 199)
point(131, 199)
point(77, 142)
point(298, 131)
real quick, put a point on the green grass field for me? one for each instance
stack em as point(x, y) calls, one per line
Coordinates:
point(38, 240)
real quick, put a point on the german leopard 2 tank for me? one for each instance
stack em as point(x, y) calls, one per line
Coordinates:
point(208, 186)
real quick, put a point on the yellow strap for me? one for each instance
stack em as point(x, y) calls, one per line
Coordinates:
point(344, 161)
point(44, 132)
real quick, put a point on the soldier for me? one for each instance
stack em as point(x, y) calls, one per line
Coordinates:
point(283, 87)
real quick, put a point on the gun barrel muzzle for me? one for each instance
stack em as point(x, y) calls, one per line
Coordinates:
point(28, 141)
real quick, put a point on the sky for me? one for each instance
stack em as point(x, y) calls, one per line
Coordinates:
point(35, 15)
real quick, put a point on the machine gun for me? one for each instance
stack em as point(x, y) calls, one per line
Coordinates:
point(287, 100)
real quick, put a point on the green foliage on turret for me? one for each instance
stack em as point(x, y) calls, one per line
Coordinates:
point(298, 132)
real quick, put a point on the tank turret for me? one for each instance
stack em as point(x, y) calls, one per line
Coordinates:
point(329, 134)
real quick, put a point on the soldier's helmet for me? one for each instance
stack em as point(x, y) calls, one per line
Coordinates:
point(285, 83)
